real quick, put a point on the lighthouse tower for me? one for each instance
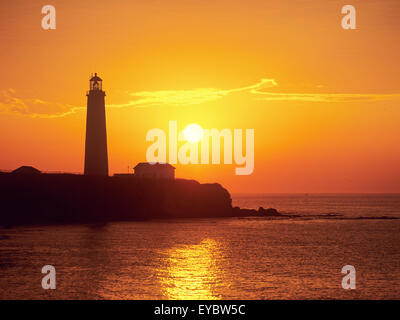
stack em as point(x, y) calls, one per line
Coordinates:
point(96, 158)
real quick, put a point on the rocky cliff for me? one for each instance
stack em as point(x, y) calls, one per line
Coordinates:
point(67, 198)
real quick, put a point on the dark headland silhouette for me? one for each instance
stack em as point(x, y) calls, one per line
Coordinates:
point(28, 196)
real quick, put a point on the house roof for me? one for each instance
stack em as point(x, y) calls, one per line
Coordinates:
point(155, 165)
point(27, 170)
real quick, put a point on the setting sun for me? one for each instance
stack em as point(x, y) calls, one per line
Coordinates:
point(193, 133)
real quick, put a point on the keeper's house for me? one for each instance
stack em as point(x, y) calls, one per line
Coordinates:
point(157, 171)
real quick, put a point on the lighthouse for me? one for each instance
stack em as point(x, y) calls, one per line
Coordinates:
point(96, 157)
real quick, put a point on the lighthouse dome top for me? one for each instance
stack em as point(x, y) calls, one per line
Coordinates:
point(95, 78)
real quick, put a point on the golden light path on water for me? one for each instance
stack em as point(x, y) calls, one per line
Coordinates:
point(191, 271)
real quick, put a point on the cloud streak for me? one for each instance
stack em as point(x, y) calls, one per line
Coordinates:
point(323, 97)
point(260, 91)
point(10, 103)
point(188, 97)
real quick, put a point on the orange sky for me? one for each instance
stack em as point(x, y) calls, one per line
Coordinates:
point(336, 128)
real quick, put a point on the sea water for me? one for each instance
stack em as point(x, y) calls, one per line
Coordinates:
point(229, 258)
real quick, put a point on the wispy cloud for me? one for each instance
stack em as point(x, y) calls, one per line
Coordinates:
point(12, 104)
point(260, 91)
point(188, 97)
point(323, 97)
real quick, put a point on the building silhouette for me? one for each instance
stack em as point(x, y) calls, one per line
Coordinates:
point(26, 170)
point(96, 157)
point(157, 171)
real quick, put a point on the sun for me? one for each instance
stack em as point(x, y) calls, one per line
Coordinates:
point(193, 133)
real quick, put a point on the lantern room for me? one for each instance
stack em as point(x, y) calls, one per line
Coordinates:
point(96, 83)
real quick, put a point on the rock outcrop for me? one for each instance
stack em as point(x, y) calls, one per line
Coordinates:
point(261, 212)
point(67, 198)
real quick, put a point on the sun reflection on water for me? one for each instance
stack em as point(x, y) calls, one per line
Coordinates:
point(191, 271)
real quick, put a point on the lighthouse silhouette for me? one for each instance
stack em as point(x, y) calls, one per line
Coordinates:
point(96, 157)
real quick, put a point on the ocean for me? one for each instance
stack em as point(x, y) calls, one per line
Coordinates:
point(227, 258)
